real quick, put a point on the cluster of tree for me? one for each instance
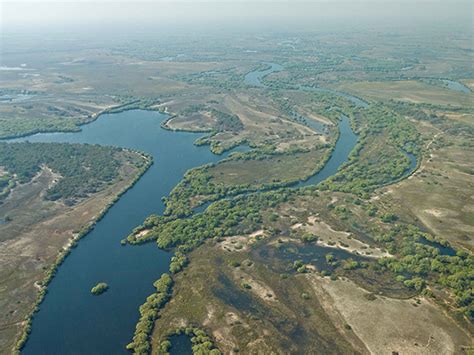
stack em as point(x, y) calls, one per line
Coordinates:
point(178, 262)
point(12, 128)
point(223, 218)
point(201, 343)
point(198, 182)
point(148, 314)
point(225, 79)
point(84, 169)
point(417, 264)
point(100, 288)
point(227, 122)
point(7, 182)
point(299, 266)
point(428, 112)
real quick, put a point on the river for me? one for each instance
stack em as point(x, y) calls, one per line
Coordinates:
point(71, 320)
point(254, 78)
point(456, 86)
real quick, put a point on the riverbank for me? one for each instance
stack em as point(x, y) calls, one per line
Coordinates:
point(32, 251)
point(131, 105)
point(101, 256)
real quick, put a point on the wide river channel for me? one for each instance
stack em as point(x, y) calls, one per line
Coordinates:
point(71, 320)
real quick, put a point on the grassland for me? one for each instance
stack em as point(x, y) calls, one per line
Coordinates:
point(268, 316)
point(439, 194)
point(274, 169)
point(411, 91)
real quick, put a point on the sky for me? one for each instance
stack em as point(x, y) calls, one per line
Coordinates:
point(40, 14)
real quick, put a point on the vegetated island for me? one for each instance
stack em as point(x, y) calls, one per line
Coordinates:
point(99, 289)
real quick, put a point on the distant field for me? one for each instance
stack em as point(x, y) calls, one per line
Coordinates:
point(410, 91)
point(440, 194)
point(469, 83)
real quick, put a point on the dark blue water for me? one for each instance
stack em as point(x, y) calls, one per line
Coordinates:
point(309, 253)
point(317, 126)
point(181, 345)
point(73, 321)
point(443, 250)
point(344, 145)
point(413, 163)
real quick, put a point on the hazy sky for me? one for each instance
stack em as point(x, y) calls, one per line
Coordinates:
point(38, 14)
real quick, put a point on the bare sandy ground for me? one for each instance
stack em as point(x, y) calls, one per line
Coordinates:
point(331, 238)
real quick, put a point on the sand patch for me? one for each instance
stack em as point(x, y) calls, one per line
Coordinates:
point(238, 243)
point(142, 233)
point(328, 237)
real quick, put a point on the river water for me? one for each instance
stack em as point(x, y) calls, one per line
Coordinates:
point(73, 321)
point(456, 86)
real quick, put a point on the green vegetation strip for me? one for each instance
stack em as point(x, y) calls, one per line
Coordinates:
point(148, 314)
point(23, 337)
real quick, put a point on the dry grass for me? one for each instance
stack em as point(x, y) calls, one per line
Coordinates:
point(440, 194)
point(331, 238)
point(410, 91)
point(390, 325)
point(273, 169)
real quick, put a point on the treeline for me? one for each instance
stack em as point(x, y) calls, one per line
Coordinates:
point(148, 314)
point(418, 265)
point(198, 182)
point(227, 217)
point(201, 343)
point(83, 169)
